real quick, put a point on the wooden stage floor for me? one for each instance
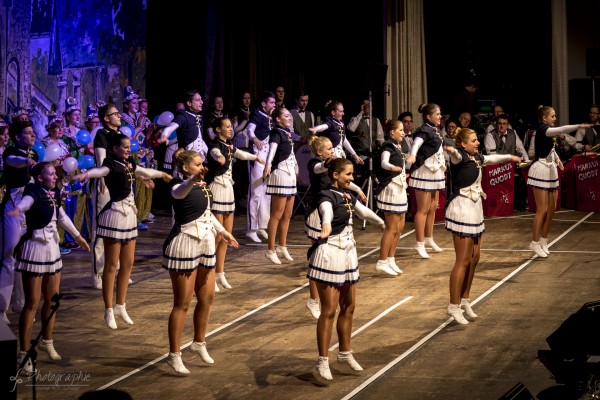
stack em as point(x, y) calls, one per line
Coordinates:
point(262, 336)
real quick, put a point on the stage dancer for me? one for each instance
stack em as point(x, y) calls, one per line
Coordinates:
point(427, 176)
point(333, 264)
point(189, 255)
point(38, 256)
point(391, 195)
point(319, 180)
point(543, 175)
point(220, 180)
point(464, 216)
point(280, 172)
point(117, 221)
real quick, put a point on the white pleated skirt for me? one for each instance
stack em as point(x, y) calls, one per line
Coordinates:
point(333, 265)
point(39, 257)
point(223, 199)
point(186, 253)
point(424, 179)
point(312, 225)
point(281, 183)
point(393, 199)
point(464, 217)
point(119, 222)
point(543, 175)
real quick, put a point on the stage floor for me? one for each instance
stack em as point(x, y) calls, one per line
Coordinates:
point(262, 336)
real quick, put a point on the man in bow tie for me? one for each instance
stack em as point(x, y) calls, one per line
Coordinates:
point(361, 131)
point(502, 140)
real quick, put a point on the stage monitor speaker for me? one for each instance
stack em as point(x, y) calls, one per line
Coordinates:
point(8, 364)
point(517, 392)
point(592, 62)
point(578, 335)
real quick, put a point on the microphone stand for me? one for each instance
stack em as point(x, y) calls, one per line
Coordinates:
point(32, 353)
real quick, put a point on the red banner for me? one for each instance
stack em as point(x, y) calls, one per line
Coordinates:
point(584, 175)
point(412, 203)
point(531, 197)
point(498, 182)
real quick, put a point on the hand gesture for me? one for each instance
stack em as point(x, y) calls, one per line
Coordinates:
point(257, 143)
point(411, 159)
point(149, 183)
point(166, 177)
point(228, 237)
point(358, 159)
point(361, 196)
point(325, 231)
point(260, 160)
point(266, 171)
point(82, 243)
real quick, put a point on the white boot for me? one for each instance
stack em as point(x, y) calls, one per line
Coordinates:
point(456, 312)
point(420, 248)
point(429, 242)
point(120, 311)
point(221, 279)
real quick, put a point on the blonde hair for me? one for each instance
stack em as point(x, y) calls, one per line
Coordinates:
point(462, 135)
point(543, 111)
point(317, 143)
point(183, 157)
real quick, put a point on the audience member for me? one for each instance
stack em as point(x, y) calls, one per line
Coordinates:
point(587, 138)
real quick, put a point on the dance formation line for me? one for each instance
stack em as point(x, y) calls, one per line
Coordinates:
point(437, 330)
point(394, 362)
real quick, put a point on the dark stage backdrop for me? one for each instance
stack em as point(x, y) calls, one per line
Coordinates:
point(222, 48)
point(328, 48)
point(508, 50)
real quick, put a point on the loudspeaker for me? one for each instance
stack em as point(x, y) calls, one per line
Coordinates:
point(592, 62)
point(8, 362)
point(517, 392)
point(577, 337)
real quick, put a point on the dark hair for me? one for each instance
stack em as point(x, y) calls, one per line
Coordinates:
point(38, 168)
point(188, 96)
point(391, 125)
point(337, 165)
point(332, 106)
point(428, 109)
point(301, 93)
point(276, 113)
point(264, 97)
point(116, 140)
point(405, 114)
point(103, 111)
point(217, 122)
point(17, 127)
